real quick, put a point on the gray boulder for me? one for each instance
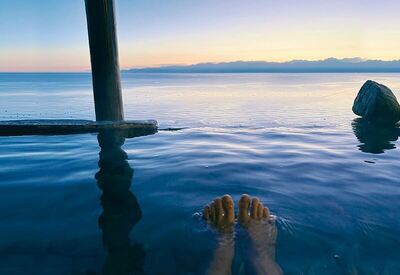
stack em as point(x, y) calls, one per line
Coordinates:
point(376, 102)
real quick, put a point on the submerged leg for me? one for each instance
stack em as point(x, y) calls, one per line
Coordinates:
point(220, 213)
point(254, 217)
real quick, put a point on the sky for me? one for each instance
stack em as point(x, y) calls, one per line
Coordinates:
point(51, 35)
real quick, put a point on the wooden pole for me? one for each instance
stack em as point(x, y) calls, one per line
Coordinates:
point(104, 60)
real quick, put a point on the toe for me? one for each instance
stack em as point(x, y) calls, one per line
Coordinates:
point(265, 212)
point(260, 211)
point(206, 213)
point(229, 212)
point(254, 208)
point(212, 212)
point(219, 212)
point(243, 215)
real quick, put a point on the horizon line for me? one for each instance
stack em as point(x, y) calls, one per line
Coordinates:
point(350, 60)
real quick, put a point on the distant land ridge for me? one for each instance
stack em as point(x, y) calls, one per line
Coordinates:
point(329, 65)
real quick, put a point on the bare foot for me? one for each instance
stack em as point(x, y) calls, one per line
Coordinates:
point(221, 214)
point(255, 217)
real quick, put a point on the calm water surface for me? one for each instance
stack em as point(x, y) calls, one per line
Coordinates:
point(87, 204)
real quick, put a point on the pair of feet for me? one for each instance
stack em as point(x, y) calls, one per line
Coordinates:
point(221, 212)
point(255, 218)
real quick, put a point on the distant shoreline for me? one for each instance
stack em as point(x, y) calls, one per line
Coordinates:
point(329, 65)
point(204, 73)
point(260, 72)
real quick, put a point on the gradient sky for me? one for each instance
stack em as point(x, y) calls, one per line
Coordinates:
point(51, 35)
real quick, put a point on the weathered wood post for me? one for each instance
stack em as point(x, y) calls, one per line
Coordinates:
point(104, 60)
point(106, 86)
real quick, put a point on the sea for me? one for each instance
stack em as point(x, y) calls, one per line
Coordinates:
point(108, 204)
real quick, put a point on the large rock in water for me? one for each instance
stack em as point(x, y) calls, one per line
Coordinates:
point(377, 102)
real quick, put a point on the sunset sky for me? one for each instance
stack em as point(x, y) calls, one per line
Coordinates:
point(51, 35)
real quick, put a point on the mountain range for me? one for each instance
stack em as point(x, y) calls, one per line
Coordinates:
point(329, 65)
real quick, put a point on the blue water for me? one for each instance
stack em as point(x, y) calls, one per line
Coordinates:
point(290, 139)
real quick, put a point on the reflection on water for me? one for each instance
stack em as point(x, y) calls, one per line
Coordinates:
point(375, 138)
point(284, 138)
point(121, 210)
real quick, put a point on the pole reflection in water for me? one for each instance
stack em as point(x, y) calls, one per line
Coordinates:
point(121, 210)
